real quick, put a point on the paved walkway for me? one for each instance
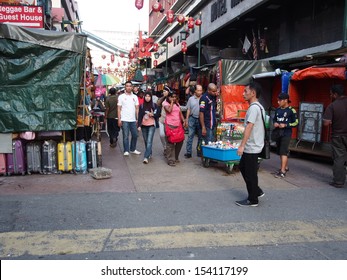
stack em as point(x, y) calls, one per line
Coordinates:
point(129, 174)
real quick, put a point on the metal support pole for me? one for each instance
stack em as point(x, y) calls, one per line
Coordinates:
point(344, 35)
point(167, 57)
point(199, 44)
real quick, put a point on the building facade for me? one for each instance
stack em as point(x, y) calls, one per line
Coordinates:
point(288, 32)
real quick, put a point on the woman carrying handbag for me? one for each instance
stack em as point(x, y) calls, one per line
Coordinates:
point(173, 128)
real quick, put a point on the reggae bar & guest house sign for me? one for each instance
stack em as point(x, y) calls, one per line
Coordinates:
point(27, 16)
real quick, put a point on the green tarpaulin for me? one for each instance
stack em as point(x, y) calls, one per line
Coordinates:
point(40, 77)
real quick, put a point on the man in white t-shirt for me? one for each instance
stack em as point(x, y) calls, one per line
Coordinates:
point(128, 111)
point(252, 144)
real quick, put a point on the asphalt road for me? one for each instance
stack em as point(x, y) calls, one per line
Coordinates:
point(187, 212)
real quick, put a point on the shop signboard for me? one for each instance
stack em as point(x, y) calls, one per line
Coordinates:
point(27, 16)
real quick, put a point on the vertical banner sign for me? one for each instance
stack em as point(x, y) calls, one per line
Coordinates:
point(27, 16)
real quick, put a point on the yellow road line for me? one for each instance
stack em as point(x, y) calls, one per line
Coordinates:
point(62, 242)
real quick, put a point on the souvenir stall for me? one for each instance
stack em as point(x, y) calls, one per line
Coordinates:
point(233, 76)
point(43, 97)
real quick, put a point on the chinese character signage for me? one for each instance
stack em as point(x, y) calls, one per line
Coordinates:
point(27, 16)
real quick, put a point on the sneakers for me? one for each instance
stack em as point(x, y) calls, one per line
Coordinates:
point(280, 174)
point(261, 194)
point(145, 160)
point(336, 185)
point(188, 155)
point(126, 154)
point(136, 152)
point(246, 202)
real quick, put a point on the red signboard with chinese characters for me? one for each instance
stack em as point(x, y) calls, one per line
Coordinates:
point(27, 16)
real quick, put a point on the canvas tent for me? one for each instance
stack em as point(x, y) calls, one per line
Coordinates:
point(235, 74)
point(40, 76)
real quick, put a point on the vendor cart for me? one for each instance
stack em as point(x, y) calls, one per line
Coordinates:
point(228, 156)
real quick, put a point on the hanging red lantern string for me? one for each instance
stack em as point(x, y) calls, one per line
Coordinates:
point(191, 22)
point(169, 39)
point(139, 4)
point(156, 7)
point(181, 19)
point(198, 22)
point(170, 16)
point(184, 47)
point(112, 58)
point(155, 63)
point(155, 47)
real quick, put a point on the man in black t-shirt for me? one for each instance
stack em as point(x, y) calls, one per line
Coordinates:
point(336, 115)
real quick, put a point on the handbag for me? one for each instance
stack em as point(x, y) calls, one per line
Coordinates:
point(265, 152)
point(174, 134)
point(276, 134)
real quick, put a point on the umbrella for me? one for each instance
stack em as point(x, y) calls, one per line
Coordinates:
point(106, 80)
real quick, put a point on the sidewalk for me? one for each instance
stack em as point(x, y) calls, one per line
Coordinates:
point(129, 174)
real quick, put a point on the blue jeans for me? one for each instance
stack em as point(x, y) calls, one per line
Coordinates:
point(210, 135)
point(148, 134)
point(193, 126)
point(126, 127)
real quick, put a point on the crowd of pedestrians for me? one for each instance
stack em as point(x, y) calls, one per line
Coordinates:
point(134, 111)
point(145, 112)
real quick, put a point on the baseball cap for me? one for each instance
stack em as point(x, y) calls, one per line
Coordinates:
point(283, 96)
point(167, 89)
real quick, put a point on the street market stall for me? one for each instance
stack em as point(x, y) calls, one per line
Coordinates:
point(43, 86)
point(233, 76)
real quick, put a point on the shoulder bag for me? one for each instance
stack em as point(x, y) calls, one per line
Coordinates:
point(174, 134)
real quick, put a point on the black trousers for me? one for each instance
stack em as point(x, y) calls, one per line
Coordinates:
point(113, 129)
point(249, 170)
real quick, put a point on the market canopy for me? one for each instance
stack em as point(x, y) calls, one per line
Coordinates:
point(40, 74)
point(320, 73)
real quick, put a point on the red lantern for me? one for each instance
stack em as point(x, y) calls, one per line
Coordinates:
point(181, 19)
point(121, 55)
point(184, 47)
point(198, 22)
point(191, 23)
point(139, 4)
point(118, 64)
point(108, 64)
point(169, 39)
point(170, 17)
point(156, 7)
point(103, 56)
point(112, 58)
point(155, 47)
point(131, 55)
point(124, 63)
point(155, 63)
point(143, 49)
